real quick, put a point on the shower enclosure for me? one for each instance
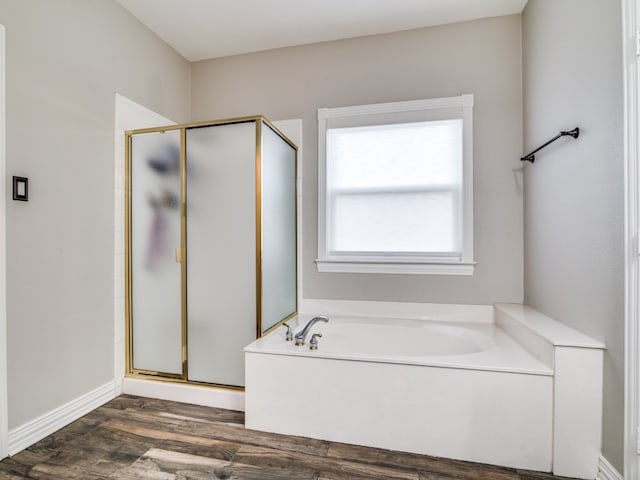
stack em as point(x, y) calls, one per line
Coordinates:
point(211, 246)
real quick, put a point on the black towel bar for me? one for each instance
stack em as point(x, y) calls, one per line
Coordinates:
point(572, 133)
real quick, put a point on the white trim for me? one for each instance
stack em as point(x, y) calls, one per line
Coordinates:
point(464, 101)
point(4, 414)
point(396, 264)
point(607, 472)
point(467, 180)
point(322, 185)
point(630, 24)
point(180, 392)
point(341, 266)
point(38, 428)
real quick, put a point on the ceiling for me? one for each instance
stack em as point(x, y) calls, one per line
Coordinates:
point(203, 29)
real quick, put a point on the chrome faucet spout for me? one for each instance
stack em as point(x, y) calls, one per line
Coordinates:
point(301, 335)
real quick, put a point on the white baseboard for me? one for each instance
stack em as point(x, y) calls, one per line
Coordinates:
point(180, 392)
point(606, 471)
point(37, 429)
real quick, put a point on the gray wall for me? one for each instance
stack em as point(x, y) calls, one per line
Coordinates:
point(574, 259)
point(481, 57)
point(65, 60)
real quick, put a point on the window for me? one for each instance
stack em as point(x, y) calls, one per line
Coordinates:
point(396, 187)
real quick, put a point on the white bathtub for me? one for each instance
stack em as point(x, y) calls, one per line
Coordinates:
point(394, 340)
point(464, 390)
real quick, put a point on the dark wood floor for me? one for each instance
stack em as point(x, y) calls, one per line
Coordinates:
point(141, 438)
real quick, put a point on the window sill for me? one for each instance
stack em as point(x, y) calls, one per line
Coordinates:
point(403, 268)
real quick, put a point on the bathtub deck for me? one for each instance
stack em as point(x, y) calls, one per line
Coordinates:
point(502, 355)
point(140, 438)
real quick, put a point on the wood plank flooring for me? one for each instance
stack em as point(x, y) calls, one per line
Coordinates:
point(133, 438)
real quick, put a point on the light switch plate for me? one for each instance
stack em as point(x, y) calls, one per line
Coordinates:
point(21, 188)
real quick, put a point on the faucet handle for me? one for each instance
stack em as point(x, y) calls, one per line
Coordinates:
point(313, 343)
point(289, 335)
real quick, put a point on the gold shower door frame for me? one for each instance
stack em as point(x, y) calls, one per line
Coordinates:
point(181, 254)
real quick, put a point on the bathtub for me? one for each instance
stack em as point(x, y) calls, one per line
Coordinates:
point(513, 388)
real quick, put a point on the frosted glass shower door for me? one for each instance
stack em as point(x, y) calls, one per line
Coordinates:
point(221, 250)
point(155, 276)
point(278, 221)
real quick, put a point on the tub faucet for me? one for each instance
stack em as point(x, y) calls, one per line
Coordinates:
point(289, 335)
point(313, 343)
point(300, 336)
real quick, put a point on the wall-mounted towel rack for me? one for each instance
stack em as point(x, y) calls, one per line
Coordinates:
point(531, 156)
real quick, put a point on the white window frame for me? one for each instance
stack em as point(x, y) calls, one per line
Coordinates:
point(462, 107)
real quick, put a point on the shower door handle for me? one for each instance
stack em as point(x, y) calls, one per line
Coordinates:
point(178, 254)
